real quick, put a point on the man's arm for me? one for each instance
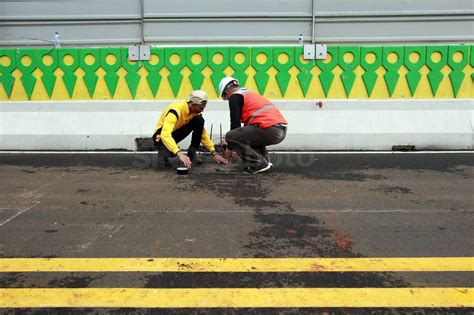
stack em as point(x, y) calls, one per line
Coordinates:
point(236, 102)
point(168, 126)
point(208, 144)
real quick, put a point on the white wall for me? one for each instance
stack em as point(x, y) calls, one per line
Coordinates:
point(338, 125)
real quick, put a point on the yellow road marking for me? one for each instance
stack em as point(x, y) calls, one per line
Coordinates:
point(433, 264)
point(295, 297)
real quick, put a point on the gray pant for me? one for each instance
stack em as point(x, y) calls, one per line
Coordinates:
point(250, 142)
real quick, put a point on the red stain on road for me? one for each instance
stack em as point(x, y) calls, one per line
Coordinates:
point(292, 232)
point(344, 241)
point(316, 267)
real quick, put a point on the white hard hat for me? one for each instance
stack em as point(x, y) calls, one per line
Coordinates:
point(224, 82)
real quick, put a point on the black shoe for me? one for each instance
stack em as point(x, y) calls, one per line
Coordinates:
point(259, 168)
point(268, 159)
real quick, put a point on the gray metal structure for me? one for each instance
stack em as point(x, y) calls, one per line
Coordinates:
point(245, 22)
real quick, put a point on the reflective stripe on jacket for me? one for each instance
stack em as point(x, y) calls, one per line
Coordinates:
point(257, 110)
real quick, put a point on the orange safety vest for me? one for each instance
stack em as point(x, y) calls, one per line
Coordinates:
point(257, 110)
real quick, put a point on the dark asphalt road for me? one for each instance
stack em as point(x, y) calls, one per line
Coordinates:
point(308, 205)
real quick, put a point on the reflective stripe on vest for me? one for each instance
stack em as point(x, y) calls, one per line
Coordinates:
point(264, 108)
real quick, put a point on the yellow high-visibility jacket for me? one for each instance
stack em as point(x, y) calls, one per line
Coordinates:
point(173, 117)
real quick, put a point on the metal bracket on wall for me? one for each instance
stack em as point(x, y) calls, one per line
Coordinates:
point(318, 51)
point(321, 51)
point(141, 52)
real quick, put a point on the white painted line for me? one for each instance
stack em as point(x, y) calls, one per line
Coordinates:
point(116, 230)
point(21, 212)
point(384, 211)
point(158, 211)
point(274, 152)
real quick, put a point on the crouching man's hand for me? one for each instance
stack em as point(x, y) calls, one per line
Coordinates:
point(230, 155)
point(219, 159)
point(185, 159)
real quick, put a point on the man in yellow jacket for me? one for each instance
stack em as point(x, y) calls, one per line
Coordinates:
point(177, 121)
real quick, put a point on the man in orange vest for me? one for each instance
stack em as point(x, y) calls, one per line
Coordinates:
point(263, 125)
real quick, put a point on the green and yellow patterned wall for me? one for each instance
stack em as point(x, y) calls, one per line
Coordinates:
point(355, 72)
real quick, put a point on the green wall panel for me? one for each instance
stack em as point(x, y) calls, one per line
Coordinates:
point(262, 66)
point(89, 61)
point(457, 74)
point(283, 67)
point(27, 67)
point(370, 66)
point(472, 60)
point(196, 77)
point(69, 62)
point(415, 58)
point(239, 67)
point(442, 61)
point(435, 76)
point(348, 66)
point(6, 71)
point(391, 76)
point(218, 61)
point(132, 77)
point(48, 78)
point(110, 61)
point(326, 76)
point(175, 77)
point(304, 66)
point(154, 66)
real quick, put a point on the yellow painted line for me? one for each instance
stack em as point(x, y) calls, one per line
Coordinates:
point(296, 297)
point(433, 264)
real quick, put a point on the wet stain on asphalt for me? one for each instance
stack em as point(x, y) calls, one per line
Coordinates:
point(12, 279)
point(315, 168)
point(244, 189)
point(85, 203)
point(28, 171)
point(397, 189)
point(266, 280)
point(393, 189)
point(74, 281)
point(347, 167)
point(284, 233)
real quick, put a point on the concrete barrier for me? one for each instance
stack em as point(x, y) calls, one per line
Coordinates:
point(440, 124)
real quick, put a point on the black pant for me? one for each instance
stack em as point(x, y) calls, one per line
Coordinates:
point(195, 126)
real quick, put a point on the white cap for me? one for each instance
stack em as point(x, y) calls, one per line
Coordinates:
point(224, 82)
point(197, 97)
